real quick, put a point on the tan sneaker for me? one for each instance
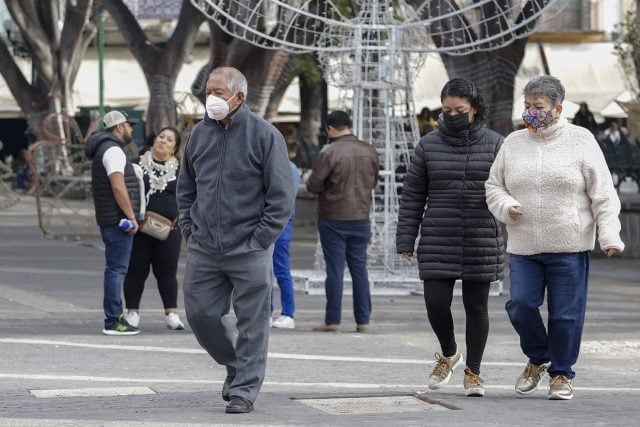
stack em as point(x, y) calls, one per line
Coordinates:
point(443, 369)
point(560, 388)
point(363, 328)
point(530, 378)
point(473, 384)
point(327, 327)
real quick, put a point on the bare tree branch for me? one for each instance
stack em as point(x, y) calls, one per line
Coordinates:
point(139, 44)
point(35, 39)
point(48, 13)
point(17, 83)
point(77, 21)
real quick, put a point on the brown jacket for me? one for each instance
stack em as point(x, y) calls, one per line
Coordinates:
point(343, 174)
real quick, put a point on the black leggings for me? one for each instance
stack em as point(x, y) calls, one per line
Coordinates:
point(163, 257)
point(438, 295)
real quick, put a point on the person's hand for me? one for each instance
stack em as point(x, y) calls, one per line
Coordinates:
point(515, 213)
point(611, 251)
point(135, 228)
point(407, 255)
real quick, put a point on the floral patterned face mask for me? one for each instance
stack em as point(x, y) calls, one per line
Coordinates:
point(536, 119)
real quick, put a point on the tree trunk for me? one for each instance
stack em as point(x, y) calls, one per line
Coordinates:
point(289, 72)
point(310, 118)
point(494, 72)
point(160, 64)
point(55, 52)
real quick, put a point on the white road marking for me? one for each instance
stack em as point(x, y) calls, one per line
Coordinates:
point(35, 270)
point(68, 422)
point(288, 356)
point(420, 388)
point(91, 392)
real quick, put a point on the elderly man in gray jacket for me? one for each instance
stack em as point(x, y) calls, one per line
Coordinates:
point(235, 195)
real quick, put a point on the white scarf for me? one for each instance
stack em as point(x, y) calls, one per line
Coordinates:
point(159, 174)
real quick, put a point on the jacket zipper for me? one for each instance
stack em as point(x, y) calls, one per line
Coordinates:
point(220, 171)
point(464, 182)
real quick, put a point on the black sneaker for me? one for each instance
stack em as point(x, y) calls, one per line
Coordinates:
point(121, 327)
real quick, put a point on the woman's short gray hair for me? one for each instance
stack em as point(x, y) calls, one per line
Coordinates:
point(547, 86)
point(236, 81)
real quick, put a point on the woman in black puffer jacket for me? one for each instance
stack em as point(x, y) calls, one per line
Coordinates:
point(459, 238)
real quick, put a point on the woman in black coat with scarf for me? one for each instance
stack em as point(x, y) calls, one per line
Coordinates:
point(459, 238)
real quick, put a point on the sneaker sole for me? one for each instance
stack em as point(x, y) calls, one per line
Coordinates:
point(556, 396)
point(179, 328)
point(474, 392)
point(115, 333)
point(283, 327)
point(448, 377)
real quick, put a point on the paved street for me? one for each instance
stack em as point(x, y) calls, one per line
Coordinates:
point(56, 368)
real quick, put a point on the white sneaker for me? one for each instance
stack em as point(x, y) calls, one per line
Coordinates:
point(173, 321)
point(284, 322)
point(133, 318)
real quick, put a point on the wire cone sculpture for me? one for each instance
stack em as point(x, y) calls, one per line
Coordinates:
point(372, 55)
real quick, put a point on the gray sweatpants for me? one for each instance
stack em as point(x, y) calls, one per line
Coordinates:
point(211, 283)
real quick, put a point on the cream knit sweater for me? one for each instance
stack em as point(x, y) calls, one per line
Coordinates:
point(560, 180)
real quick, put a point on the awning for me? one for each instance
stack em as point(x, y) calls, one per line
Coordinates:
point(590, 72)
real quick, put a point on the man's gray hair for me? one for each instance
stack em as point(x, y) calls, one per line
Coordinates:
point(547, 86)
point(236, 81)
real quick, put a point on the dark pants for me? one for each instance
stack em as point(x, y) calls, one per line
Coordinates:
point(346, 241)
point(212, 282)
point(161, 255)
point(438, 295)
point(564, 277)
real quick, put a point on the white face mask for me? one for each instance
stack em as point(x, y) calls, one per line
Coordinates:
point(217, 108)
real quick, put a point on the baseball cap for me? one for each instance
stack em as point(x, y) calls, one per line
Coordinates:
point(115, 117)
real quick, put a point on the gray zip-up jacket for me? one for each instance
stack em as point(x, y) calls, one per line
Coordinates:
point(235, 185)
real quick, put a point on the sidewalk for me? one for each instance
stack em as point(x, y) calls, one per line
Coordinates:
point(56, 368)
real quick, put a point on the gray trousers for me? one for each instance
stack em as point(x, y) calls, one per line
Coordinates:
point(211, 283)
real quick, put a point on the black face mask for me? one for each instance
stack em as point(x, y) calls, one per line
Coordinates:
point(456, 123)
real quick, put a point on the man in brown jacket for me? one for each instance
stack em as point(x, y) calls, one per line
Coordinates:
point(344, 175)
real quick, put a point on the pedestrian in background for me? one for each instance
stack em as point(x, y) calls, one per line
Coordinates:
point(584, 118)
point(235, 195)
point(160, 171)
point(426, 123)
point(459, 238)
point(344, 175)
point(551, 186)
point(116, 196)
point(282, 266)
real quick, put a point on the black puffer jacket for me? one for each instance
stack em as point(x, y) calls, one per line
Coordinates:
point(459, 238)
point(107, 210)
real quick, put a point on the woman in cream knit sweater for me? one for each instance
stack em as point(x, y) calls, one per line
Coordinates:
point(551, 186)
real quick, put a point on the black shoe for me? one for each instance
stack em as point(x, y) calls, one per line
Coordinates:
point(239, 405)
point(120, 327)
point(225, 388)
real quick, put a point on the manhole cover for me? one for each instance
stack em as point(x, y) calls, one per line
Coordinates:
point(373, 404)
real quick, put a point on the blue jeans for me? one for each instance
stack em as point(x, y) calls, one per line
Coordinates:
point(346, 241)
point(117, 251)
point(282, 271)
point(565, 277)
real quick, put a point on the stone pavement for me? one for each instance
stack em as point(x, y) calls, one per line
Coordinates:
point(56, 368)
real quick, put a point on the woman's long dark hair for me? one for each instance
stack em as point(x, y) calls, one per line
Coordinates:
point(463, 88)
